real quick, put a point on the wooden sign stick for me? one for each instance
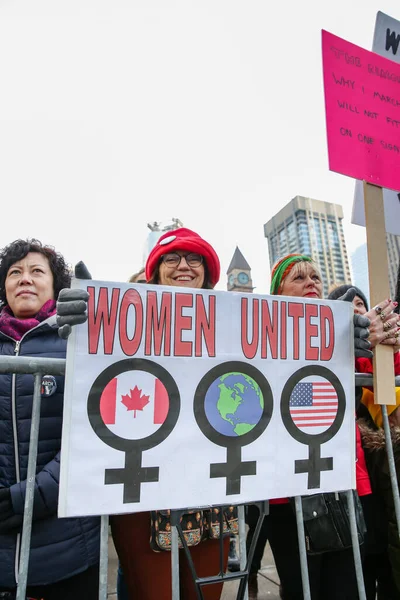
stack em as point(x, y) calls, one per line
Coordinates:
point(384, 388)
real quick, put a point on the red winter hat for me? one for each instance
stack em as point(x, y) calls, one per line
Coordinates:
point(184, 239)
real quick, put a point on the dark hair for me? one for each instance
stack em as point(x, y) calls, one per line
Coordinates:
point(18, 249)
point(206, 283)
point(342, 289)
point(397, 297)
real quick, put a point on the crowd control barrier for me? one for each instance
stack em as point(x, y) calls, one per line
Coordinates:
point(52, 366)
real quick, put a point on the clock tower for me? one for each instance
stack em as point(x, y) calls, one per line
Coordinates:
point(239, 274)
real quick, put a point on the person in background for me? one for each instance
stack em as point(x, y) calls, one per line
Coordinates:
point(64, 554)
point(332, 574)
point(139, 277)
point(377, 568)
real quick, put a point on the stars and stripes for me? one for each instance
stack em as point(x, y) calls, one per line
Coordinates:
point(313, 404)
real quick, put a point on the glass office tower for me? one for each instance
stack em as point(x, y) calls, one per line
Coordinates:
point(314, 228)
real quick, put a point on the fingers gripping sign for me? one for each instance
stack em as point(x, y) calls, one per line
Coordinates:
point(362, 345)
point(383, 327)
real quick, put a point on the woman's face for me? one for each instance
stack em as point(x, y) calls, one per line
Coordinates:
point(359, 306)
point(302, 281)
point(29, 284)
point(181, 274)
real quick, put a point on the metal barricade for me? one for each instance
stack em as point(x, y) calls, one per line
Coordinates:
point(36, 367)
point(52, 366)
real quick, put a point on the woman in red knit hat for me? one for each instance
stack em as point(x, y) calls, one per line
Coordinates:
point(200, 269)
point(180, 258)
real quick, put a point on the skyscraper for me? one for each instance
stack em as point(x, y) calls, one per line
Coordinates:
point(314, 228)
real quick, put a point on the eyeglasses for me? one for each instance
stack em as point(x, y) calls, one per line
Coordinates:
point(174, 260)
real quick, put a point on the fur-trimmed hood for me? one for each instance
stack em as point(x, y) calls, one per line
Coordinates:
point(374, 439)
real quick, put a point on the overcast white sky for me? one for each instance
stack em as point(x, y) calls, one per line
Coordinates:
point(116, 113)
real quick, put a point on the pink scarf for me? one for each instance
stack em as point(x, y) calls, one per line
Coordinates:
point(16, 328)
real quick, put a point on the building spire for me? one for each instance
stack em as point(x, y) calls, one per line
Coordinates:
point(238, 261)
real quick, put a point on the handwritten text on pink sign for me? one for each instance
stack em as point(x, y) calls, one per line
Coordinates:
point(362, 101)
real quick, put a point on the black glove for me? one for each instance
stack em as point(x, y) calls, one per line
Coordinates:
point(9, 521)
point(72, 304)
point(361, 331)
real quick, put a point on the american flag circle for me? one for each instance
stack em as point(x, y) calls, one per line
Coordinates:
point(313, 405)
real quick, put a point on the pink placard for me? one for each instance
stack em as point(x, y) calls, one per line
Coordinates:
point(362, 103)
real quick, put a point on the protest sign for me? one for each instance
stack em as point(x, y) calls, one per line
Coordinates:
point(181, 398)
point(387, 37)
point(386, 43)
point(362, 100)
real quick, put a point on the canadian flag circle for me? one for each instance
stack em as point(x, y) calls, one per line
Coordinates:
point(134, 404)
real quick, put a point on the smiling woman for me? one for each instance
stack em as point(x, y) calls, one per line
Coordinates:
point(181, 258)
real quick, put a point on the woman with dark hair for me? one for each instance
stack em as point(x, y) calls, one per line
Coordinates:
point(383, 328)
point(64, 553)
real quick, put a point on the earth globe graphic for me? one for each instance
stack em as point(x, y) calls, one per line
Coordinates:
point(234, 404)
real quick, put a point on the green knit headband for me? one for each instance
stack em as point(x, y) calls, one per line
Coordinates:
point(280, 270)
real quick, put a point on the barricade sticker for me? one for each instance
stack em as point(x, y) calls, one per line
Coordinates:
point(179, 398)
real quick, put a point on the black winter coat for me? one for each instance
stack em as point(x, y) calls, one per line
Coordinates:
point(60, 548)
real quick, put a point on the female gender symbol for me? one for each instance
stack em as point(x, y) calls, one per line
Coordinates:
point(319, 404)
point(233, 406)
point(133, 474)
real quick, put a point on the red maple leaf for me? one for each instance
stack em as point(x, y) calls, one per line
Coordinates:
point(135, 401)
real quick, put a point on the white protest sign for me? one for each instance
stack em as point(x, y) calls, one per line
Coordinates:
point(386, 43)
point(387, 37)
point(180, 398)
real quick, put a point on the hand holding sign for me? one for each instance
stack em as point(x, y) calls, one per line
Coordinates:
point(361, 323)
point(72, 304)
